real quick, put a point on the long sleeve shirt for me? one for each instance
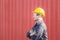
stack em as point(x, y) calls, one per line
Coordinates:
point(41, 31)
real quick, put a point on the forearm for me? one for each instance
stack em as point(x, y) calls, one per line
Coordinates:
point(31, 33)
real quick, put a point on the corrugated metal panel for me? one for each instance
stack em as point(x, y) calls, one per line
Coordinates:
point(16, 18)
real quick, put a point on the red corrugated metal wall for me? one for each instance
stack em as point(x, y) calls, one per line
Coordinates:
point(16, 18)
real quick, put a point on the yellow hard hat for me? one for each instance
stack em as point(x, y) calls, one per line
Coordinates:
point(39, 11)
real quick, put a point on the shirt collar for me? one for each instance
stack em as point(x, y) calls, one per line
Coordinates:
point(40, 21)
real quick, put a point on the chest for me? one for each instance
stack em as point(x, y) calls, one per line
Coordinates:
point(37, 28)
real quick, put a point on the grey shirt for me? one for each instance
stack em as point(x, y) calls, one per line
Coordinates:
point(41, 31)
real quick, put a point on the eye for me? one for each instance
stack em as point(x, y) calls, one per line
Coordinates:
point(37, 14)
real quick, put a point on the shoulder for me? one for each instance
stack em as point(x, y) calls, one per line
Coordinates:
point(44, 26)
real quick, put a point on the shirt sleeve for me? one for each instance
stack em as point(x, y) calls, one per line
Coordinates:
point(30, 32)
point(45, 35)
point(42, 33)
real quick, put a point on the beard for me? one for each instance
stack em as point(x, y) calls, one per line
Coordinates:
point(36, 19)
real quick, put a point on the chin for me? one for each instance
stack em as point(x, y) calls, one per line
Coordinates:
point(35, 19)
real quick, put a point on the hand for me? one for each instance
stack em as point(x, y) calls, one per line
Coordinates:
point(33, 33)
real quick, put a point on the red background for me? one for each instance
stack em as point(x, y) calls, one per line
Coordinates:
point(16, 18)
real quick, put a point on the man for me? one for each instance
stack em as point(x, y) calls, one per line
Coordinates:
point(39, 31)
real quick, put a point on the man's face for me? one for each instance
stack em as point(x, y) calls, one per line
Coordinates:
point(36, 16)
